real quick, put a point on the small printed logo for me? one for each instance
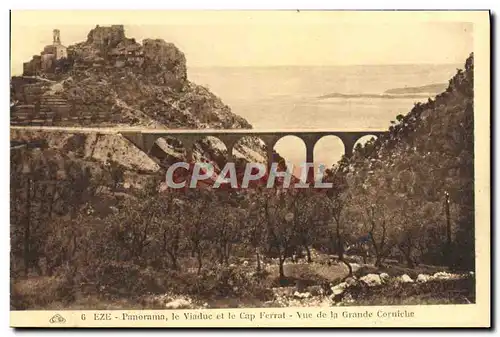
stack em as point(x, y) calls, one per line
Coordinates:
point(57, 319)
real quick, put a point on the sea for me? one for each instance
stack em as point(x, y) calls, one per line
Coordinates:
point(340, 98)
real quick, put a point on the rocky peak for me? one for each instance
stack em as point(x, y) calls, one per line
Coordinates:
point(110, 79)
point(106, 37)
point(165, 57)
point(108, 50)
point(114, 79)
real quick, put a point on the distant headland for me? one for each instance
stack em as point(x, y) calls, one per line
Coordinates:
point(405, 92)
point(430, 88)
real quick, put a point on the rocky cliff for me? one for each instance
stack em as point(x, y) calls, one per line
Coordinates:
point(110, 79)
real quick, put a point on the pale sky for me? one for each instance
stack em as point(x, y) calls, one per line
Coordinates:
point(263, 38)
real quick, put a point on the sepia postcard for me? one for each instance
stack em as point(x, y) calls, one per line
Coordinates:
point(250, 169)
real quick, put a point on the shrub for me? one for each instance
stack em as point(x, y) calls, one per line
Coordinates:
point(114, 279)
point(224, 281)
point(40, 293)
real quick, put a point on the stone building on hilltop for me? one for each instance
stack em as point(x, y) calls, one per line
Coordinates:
point(56, 48)
point(46, 61)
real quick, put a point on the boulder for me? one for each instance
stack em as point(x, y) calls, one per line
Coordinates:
point(405, 279)
point(283, 291)
point(119, 64)
point(442, 275)
point(371, 280)
point(351, 281)
point(301, 295)
point(422, 278)
point(178, 303)
point(384, 277)
point(348, 299)
point(339, 288)
point(315, 290)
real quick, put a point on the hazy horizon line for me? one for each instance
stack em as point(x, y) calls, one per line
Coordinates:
point(327, 65)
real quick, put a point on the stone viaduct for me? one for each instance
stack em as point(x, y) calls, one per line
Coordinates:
point(145, 139)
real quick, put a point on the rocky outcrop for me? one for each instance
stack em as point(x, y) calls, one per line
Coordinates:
point(106, 37)
point(110, 79)
point(164, 58)
point(113, 79)
point(92, 147)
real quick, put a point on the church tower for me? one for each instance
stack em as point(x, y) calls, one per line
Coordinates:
point(56, 36)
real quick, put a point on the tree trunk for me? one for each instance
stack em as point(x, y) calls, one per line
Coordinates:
point(282, 270)
point(173, 260)
point(200, 262)
point(226, 253)
point(377, 251)
point(258, 261)
point(27, 229)
point(409, 262)
point(340, 250)
point(308, 252)
point(448, 230)
point(51, 205)
point(407, 255)
point(341, 258)
point(220, 255)
point(281, 260)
